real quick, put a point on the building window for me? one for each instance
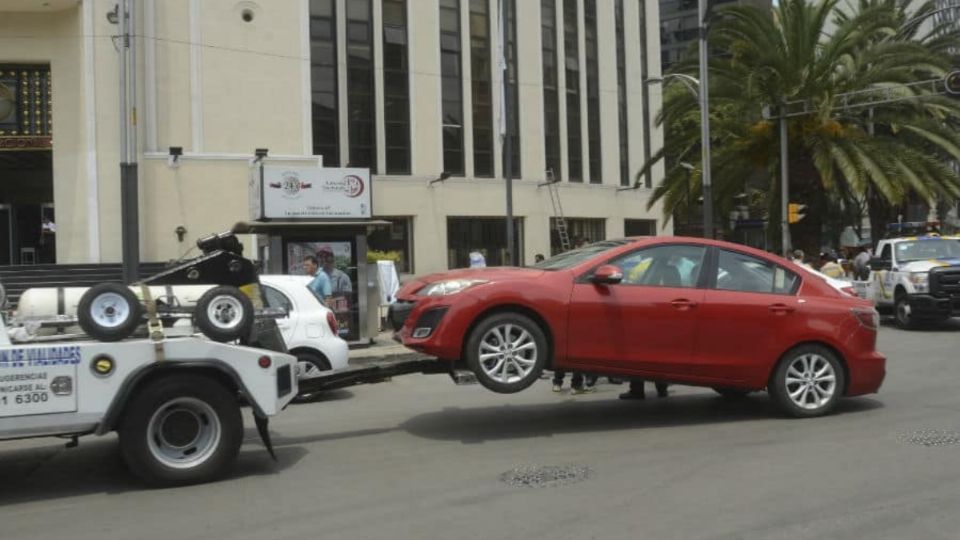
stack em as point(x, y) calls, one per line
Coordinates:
point(513, 124)
point(26, 105)
point(551, 95)
point(360, 93)
point(639, 227)
point(323, 78)
point(593, 90)
point(451, 72)
point(484, 234)
point(396, 88)
point(580, 230)
point(395, 241)
point(571, 46)
point(482, 89)
point(644, 73)
point(622, 94)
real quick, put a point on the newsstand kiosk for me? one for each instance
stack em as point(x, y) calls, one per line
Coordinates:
point(298, 211)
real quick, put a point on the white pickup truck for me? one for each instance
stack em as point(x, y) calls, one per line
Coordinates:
point(174, 402)
point(917, 278)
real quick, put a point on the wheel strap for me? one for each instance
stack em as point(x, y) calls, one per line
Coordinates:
point(154, 327)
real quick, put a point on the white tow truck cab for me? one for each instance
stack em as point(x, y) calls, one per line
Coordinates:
point(917, 278)
point(174, 402)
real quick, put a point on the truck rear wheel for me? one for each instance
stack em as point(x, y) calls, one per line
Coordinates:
point(182, 429)
point(109, 312)
point(903, 314)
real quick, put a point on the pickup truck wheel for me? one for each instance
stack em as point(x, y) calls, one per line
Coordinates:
point(902, 313)
point(807, 382)
point(507, 352)
point(224, 314)
point(182, 429)
point(309, 365)
point(109, 312)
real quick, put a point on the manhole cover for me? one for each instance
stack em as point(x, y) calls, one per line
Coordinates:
point(931, 437)
point(546, 475)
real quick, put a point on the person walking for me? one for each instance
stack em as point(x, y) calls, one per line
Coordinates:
point(320, 283)
point(637, 391)
point(581, 383)
point(339, 280)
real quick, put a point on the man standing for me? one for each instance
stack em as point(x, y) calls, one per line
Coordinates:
point(320, 283)
point(339, 280)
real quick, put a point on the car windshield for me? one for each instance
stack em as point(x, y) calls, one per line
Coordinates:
point(569, 259)
point(920, 250)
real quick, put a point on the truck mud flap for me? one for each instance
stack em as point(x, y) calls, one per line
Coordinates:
point(263, 428)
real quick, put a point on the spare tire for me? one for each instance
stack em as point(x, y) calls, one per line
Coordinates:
point(224, 314)
point(109, 312)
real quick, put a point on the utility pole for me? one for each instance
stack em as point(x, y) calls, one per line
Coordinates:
point(507, 134)
point(705, 123)
point(784, 186)
point(129, 192)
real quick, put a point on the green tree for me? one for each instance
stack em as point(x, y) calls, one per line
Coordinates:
point(839, 157)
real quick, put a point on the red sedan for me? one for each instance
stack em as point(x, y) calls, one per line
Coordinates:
point(681, 310)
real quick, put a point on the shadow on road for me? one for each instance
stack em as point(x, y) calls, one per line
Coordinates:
point(547, 419)
point(96, 467)
point(327, 396)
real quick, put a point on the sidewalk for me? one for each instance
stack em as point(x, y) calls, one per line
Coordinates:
point(383, 349)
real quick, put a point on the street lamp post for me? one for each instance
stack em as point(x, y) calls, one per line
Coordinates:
point(699, 90)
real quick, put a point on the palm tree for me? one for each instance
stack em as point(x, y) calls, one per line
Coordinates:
point(816, 53)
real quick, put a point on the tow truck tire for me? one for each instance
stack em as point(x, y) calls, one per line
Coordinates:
point(224, 314)
point(507, 352)
point(109, 312)
point(309, 364)
point(181, 429)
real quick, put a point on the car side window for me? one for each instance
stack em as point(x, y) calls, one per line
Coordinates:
point(276, 298)
point(745, 273)
point(885, 254)
point(676, 265)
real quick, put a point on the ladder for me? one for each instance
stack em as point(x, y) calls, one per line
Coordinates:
point(562, 232)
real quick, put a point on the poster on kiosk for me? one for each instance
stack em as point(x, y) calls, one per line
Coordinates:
point(318, 194)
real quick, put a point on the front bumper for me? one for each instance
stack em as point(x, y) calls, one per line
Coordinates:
point(925, 306)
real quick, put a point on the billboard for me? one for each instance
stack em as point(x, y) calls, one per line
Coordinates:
point(290, 192)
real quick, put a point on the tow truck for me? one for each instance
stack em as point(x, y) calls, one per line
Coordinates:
point(916, 278)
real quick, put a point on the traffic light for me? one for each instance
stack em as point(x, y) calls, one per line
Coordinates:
point(795, 212)
point(952, 83)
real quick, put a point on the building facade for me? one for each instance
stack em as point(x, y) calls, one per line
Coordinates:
point(408, 88)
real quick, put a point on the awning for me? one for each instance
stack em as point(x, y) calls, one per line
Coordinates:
point(304, 227)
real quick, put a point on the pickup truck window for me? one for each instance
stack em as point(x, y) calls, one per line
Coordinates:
point(885, 254)
point(921, 250)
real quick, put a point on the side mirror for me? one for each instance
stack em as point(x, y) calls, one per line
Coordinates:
point(607, 275)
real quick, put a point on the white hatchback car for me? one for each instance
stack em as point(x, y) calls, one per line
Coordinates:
point(309, 329)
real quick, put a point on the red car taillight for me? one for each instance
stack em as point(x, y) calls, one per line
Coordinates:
point(868, 317)
point(332, 321)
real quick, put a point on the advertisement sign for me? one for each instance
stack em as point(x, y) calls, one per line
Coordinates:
point(337, 262)
point(291, 192)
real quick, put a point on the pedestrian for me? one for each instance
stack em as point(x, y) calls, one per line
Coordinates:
point(861, 264)
point(477, 260)
point(339, 280)
point(320, 283)
point(538, 258)
point(829, 266)
point(798, 255)
point(580, 383)
point(637, 392)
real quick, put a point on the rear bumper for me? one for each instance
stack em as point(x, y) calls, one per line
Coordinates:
point(925, 306)
point(866, 373)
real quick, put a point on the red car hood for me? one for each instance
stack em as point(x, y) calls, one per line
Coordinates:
point(491, 274)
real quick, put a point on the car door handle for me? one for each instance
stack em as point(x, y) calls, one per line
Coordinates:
point(683, 304)
point(781, 309)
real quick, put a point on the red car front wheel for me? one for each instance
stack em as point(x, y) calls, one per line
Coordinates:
point(507, 352)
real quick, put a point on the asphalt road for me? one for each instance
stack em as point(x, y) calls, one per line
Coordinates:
point(420, 458)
